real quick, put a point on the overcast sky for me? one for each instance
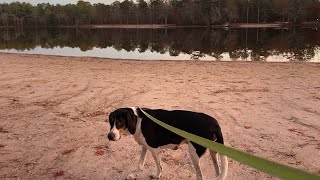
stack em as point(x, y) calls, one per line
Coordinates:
point(58, 1)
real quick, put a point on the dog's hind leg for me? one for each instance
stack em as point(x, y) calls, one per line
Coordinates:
point(215, 162)
point(195, 160)
point(158, 162)
point(135, 174)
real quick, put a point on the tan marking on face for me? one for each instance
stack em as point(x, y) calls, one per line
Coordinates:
point(116, 132)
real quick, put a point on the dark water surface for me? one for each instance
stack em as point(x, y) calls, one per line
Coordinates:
point(296, 44)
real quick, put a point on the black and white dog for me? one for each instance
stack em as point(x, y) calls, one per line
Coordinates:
point(152, 136)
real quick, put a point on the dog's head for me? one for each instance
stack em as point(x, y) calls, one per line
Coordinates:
point(121, 120)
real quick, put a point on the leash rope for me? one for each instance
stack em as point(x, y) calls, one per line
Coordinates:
point(267, 166)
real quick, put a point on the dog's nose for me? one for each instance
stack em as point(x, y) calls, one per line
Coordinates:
point(111, 136)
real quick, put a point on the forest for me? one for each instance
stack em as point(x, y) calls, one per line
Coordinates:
point(177, 12)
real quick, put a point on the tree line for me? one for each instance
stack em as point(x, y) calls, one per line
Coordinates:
point(179, 12)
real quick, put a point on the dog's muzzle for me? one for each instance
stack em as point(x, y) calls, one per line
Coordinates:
point(114, 136)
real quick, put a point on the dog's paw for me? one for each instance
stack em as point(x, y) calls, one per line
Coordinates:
point(132, 176)
point(155, 176)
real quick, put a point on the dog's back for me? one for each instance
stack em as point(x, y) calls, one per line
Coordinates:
point(193, 122)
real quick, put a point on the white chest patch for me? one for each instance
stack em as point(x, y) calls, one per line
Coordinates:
point(138, 136)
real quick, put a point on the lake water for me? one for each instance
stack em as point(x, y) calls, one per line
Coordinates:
point(282, 45)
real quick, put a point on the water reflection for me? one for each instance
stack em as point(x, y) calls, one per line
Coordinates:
point(181, 43)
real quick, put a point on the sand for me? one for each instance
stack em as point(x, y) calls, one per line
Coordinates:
point(53, 112)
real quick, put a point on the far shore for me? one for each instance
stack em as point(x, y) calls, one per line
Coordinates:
point(160, 26)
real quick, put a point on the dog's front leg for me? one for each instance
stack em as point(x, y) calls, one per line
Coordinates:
point(135, 174)
point(158, 162)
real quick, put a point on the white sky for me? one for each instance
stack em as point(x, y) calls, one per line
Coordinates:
point(58, 1)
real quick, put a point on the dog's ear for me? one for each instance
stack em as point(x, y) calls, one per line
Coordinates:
point(131, 121)
point(110, 116)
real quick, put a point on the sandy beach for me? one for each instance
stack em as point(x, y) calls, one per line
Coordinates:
point(53, 113)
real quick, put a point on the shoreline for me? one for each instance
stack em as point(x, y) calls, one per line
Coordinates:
point(53, 112)
point(152, 60)
point(163, 26)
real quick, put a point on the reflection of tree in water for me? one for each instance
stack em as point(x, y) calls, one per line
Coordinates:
point(196, 55)
point(257, 44)
point(174, 52)
point(298, 46)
